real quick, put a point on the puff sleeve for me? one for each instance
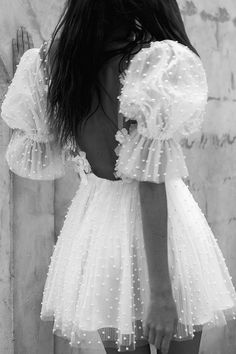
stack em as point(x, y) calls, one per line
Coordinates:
point(32, 151)
point(165, 92)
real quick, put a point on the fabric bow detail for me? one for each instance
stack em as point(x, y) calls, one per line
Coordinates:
point(80, 165)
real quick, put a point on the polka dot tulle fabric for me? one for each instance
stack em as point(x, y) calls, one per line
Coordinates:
point(97, 286)
point(31, 152)
point(165, 91)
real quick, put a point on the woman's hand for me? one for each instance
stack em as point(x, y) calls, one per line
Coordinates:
point(160, 322)
point(20, 45)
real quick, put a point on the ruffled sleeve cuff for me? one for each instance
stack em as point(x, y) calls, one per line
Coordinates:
point(35, 157)
point(151, 160)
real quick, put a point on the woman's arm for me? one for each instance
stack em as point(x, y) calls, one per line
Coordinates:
point(154, 216)
point(162, 313)
point(33, 151)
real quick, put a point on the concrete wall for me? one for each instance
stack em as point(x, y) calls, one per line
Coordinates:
point(37, 209)
point(211, 156)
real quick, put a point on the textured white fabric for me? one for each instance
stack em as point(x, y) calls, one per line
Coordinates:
point(153, 349)
point(97, 288)
point(98, 280)
point(165, 91)
point(32, 152)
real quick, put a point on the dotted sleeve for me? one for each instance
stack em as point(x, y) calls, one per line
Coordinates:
point(32, 151)
point(165, 92)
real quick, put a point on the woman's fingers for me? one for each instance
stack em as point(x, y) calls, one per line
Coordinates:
point(15, 54)
point(25, 39)
point(165, 345)
point(30, 39)
point(146, 331)
point(14, 47)
point(152, 335)
point(158, 338)
point(20, 44)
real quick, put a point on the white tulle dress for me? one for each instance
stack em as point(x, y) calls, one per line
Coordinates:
point(97, 287)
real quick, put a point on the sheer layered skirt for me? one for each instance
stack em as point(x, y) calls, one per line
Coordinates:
point(97, 288)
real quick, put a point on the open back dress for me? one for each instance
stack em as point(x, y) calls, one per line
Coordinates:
point(97, 286)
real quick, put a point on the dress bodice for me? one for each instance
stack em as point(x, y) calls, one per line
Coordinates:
point(164, 91)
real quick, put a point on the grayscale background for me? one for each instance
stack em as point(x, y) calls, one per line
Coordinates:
point(31, 213)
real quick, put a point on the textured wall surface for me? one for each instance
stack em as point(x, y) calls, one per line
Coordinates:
point(26, 242)
point(39, 16)
point(6, 260)
point(39, 208)
point(211, 156)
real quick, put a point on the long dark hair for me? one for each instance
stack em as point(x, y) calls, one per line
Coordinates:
point(80, 47)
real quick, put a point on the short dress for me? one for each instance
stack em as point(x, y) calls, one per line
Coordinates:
point(97, 286)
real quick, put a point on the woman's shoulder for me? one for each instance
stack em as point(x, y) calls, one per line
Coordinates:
point(165, 82)
point(30, 56)
point(167, 62)
point(166, 48)
point(28, 65)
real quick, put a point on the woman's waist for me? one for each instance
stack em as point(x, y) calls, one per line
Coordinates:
point(95, 178)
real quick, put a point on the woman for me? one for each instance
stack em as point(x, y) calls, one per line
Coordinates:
point(135, 262)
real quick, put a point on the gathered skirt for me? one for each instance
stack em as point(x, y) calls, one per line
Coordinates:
point(97, 287)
